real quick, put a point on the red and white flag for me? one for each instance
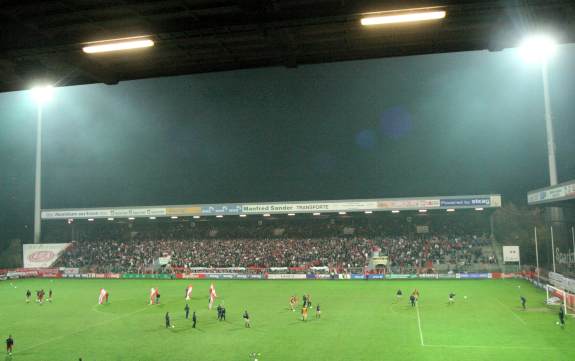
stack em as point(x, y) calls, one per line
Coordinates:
point(213, 296)
point(189, 292)
point(103, 296)
point(153, 294)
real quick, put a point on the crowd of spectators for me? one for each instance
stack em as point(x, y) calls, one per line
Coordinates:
point(337, 245)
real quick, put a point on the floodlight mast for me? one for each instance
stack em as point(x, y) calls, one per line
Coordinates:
point(539, 49)
point(42, 94)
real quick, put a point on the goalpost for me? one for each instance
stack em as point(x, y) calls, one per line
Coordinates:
point(557, 296)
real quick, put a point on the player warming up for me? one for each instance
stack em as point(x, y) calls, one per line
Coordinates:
point(9, 345)
point(28, 295)
point(194, 319)
point(50, 295)
point(412, 299)
point(523, 302)
point(561, 316)
point(451, 298)
point(247, 322)
point(187, 309)
point(398, 294)
point(168, 324)
point(317, 312)
point(304, 313)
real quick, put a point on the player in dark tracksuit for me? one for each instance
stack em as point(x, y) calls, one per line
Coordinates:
point(9, 344)
point(412, 300)
point(194, 319)
point(167, 319)
point(523, 301)
point(187, 309)
point(562, 316)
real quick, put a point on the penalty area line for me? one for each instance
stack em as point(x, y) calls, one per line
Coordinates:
point(419, 323)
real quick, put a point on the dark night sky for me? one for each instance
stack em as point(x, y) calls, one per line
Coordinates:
point(448, 124)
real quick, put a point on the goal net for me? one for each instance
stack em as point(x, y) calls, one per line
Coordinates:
point(559, 297)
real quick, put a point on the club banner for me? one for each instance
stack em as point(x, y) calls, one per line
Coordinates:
point(42, 255)
point(511, 254)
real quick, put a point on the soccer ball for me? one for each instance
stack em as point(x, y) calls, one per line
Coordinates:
point(173, 326)
point(464, 297)
point(557, 322)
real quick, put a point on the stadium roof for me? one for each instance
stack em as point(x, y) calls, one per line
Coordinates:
point(558, 193)
point(326, 206)
point(42, 39)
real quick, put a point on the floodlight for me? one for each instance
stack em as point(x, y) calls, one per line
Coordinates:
point(342, 213)
point(423, 211)
point(538, 48)
point(196, 217)
point(43, 93)
point(368, 212)
point(317, 214)
point(405, 17)
point(291, 214)
point(266, 214)
point(450, 210)
point(395, 211)
point(131, 218)
point(110, 219)
point(90, 219)
point(117, 45)
point(174, 217)
point(152, 218)
point(242, 215)
point(478, 209)
point(219, 216)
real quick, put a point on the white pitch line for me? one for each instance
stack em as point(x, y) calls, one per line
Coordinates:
point(419, 323)
point(502, 347)
point(80, 330)
point(512, 312)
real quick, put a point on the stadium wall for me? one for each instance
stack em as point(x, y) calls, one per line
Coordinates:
point(75, 273)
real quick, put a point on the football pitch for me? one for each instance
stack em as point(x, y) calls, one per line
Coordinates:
point(361, 320)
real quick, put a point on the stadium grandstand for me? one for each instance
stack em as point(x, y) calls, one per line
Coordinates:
point(266, 180)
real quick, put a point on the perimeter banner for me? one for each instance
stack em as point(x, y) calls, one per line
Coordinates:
point(42, 255)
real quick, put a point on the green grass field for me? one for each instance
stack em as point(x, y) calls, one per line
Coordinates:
point(360, 321)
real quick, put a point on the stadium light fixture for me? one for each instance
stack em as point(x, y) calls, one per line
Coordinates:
point(219, 216)
point(266, 214)
point(131, 218)
point(396, 17)
point(423, 211)
point(196, 217)
point(174, 217)
point(90, 219)
point(537, 48)
point(291, 214)
point(479, 209)
point(152, 218)
point(42, 93)
point(242, 215)
point(368, 212)
point(317, 214)
point(110, 219)
point(395, 211)
point(342, 213)
point(105, 46)
point(450, 209)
